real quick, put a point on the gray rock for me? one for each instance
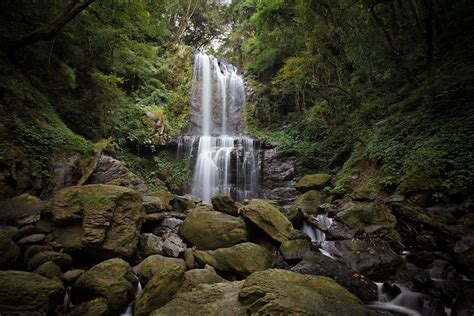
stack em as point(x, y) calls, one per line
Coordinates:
point(112, 170)
point(317, 264)
point(168, 244)
point(278, 176)
point(21, 210)
point(376, 261)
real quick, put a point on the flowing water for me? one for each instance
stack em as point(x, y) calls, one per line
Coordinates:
point(222, 160)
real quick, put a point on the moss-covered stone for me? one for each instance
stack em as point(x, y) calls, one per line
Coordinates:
point(281, 292)
point(96, 307)
point(208, 299)
point(208, 229)
point(225, 204)
point(9, 252)
point(155, 264)
point(48, 270)
point(102, 220)
point(31, 239)
point(165, 197)
point(61, 259)
point(315, 181)
point(242, 259)
point(195, 277)
point(295, 249)
point(361, 215)
point(159, 290)
point(309, 201)
point(69, 277)
point(268, 218)
point(112, 279)
point(189, 258)
point(24, 293)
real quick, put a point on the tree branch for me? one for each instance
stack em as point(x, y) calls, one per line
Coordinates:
point(46, 32)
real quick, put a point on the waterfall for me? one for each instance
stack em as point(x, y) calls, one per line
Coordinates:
point(223, 161)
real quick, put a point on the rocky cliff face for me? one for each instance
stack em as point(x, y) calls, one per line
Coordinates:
point(278, 176)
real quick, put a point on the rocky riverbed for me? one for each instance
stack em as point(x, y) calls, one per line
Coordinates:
point(88, 248)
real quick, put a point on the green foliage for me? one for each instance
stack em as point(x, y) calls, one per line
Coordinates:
point(175, 173)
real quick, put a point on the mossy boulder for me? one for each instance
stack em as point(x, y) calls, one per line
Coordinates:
point(309, 201)
point(165, 197)
point(101, 220)
point(295, 249)
point(208, 299)
point(9, 252)
point(112, 279)
point(208, 229)
point(268, 218)
point(159, 290)
point(21, 210)
point(24, 293)
point(195, 277)
point(155, 264)
point(282, 292)
point(225, 204)
point(361, 215)
point(31, 240)
point(61, 259)
point(315, 181)
point(153, 204)
point(95, 307)
point(242, 259)
point(70, 276)
point(48, 269)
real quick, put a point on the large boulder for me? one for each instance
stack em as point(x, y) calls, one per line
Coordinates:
point(357, 215)
point(317, 264)
point(242, 259)
point(309, 201)
point(208, 229)
point(208, 299)
point(112, 279)
point(159, 290)
point(315, 181)
point(9, 252)
point(281, 292)
point(101, 220)
point(21, 210)
point(268, 218)
point(24, 293)
point(375, 260)
point(155, 264)
point(95, 307)
point(195, 277)
point(112, 171)
point(225, 204)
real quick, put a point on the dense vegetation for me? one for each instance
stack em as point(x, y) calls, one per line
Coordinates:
point(95, 78)
point(382, 89)
point(379, 92)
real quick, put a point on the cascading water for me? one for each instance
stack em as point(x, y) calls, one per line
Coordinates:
point(224, 161)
